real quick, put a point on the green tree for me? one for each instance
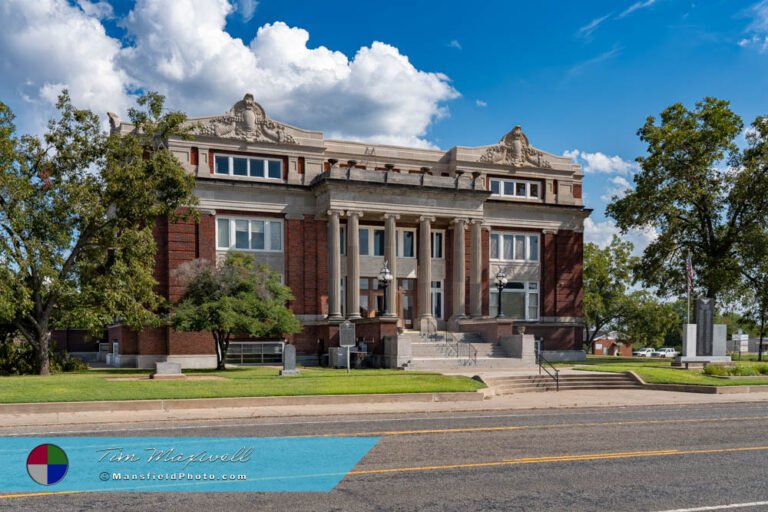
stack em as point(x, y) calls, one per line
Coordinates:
point(648, 322)
point(235, 297)
point(77, 207)
point(754, 270)
point(607, 277)
point(700, 192)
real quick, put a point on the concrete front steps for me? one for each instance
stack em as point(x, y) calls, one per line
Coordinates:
point(534, 383)
point(434, 353)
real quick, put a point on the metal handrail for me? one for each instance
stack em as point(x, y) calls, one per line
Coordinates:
point(471, 351)
point(540, 359)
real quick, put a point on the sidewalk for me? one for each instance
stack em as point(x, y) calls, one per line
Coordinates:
point(358, 406)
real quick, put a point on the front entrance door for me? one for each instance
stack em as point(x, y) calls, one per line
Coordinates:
point(406, 301)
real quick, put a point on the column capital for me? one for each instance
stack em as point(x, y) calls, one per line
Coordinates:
point(395, 216)
point(549, 231)
point(207, 211)
point(354, 213)
point(426, 218)
point(331, 213)
point(460, 220)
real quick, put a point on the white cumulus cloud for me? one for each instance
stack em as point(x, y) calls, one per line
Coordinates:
point(600, 162)
point(183, 50)
point(618, 189)
point(600, 233)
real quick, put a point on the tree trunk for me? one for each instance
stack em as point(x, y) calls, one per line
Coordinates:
point(43, 354)
point(219, 340)
point(762, 333)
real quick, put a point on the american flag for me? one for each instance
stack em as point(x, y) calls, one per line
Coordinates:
point(689, 270)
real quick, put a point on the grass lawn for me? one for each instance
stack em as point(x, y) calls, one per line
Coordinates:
point(237, 382)
point(660, 371)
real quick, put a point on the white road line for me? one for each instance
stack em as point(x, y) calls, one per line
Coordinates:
point(720, 507)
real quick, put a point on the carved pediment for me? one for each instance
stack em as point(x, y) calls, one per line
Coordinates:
point(515, 150)
point(247, 121)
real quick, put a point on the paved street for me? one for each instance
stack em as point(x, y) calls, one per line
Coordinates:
point(613, 459)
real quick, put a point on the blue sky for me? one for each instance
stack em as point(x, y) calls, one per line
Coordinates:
point(579, 77)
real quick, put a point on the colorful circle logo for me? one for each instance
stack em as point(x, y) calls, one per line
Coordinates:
point(47, 464)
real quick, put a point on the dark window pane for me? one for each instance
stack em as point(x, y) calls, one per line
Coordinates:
point(378, 242)
point(533, 189)
point(495, 187)
point(241, 234)
point(363, 242)
point(257, 168)
point(408, 249)
point(275, 236)
point(494, 247)
point(520, 189)
point(533, 248)
point(222, 164)
point(275, 169)
point(437, 245)
point(257, 235)
point(240, 167)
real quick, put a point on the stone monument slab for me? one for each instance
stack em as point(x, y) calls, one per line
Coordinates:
point(289, 361)
point(166, 370)
point(704, 320)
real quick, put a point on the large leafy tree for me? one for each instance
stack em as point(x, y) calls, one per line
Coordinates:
point(77, 207)
point(234, 297)
point(754, 270)
point(607, 277)
point(648, 322)
point(700, 193)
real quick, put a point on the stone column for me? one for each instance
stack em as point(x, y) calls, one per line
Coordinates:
point(390, 255)
point(334, 266)
point(425, 272)
point(459, 299)
point(353, 264)
point(476, 270)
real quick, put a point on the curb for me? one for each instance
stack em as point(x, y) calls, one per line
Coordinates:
point(690, 388)
point(238, 402)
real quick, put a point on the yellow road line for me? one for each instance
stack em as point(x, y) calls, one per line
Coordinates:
point(459, 430)
point(560, 458)
point(35, 494)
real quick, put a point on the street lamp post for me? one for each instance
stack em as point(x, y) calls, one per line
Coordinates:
point(501, 282)
point(385, 277)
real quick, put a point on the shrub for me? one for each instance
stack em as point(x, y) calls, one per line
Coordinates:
point(716, 369)
point(762, 369)
point(66, 363)
point(744, 371)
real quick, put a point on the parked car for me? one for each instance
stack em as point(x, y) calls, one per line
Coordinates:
point(644, 352)
point(665, 352)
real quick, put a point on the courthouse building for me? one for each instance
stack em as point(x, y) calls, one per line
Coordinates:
point(328, 215)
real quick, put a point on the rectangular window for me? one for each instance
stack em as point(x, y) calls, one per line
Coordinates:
point(496, 187)
point(519, 301)
point(437, 299)
point(409, 239)
point(514, 247)
point(378, 242)
point(222, 226)
point(521, 189)
point(222, 164)
point(515, 188)
point(275, 170)
point(249, 234)
point(241, 235)
point(437, 244)
point(257, 167)
point(239, 166)
point(533, 190)
point(343, 240)
point(258, 242)
point(364, 242)
point(533, 248)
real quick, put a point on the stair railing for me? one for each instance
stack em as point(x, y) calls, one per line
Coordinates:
point(464, 350)
point(543, 363)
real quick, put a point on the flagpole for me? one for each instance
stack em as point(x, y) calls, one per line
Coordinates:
point(688, 275)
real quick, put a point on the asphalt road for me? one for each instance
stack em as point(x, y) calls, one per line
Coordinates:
point(619, 459)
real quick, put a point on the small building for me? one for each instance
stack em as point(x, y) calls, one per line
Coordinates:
point(328, 215)
point(611, 344)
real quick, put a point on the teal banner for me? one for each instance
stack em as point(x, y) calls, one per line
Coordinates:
point(181, 464)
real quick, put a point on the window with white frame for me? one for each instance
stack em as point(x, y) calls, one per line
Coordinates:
point(270, 168)
point(524, 189)
point(514, 247)
point(248, 234)
point(436, 293)
point(371, 241)
point(438, 238)
point(519, 300)
point(406, 243)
